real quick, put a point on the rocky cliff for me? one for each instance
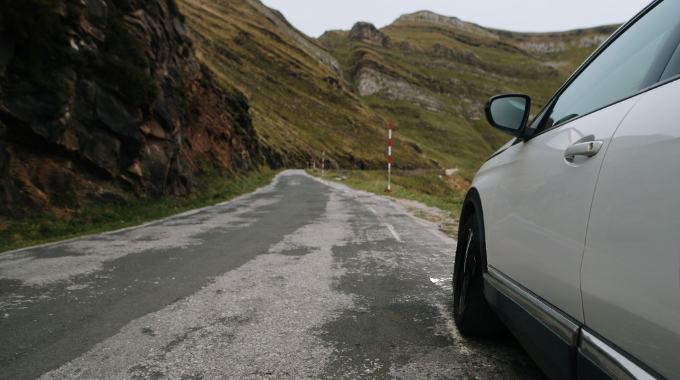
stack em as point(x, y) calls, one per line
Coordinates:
point(98, 92)
point(366, 32)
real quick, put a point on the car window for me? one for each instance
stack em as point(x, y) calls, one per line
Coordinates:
point(620, 69)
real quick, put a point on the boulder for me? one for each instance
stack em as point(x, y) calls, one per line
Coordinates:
point(180, 179)
point(366, 32)
point(405, 46)
point(97, 13)
point(160, 108)
point(460, 55)
point(116, 116)
point(37, 107)
point(179, 29)
point(103, 149)
point(58, 184)
point(155, 166)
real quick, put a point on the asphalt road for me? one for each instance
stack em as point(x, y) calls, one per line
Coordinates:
point(301, 279)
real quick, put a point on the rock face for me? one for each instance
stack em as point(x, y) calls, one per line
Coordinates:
point(595, 40)
point(127, 102)
point(544, 47)
point(366, 32)
point(460, 55)
point(449, 22)
point(371, 80)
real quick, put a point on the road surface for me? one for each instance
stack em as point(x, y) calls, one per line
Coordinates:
point(301, 279)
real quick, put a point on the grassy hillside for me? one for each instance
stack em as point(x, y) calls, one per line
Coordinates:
point(430, 74)
point(300, 103)
point(215, 186)
point(437, 74)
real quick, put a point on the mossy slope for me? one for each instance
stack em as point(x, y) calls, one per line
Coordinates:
point(300, 104)
point(456, 67)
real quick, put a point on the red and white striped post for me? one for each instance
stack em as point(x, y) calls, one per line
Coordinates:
point(323, 163)
point(389, 160)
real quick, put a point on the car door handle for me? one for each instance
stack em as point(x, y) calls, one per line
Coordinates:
point(586, 149)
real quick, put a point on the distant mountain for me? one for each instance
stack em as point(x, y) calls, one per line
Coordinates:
point(301, 104)
point(429, 73)
point(436, 73)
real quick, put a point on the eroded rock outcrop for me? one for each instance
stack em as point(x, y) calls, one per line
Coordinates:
point(366, 32)
point(595, 40)
point(544, 47)
point(126, 101)
point(449, 22)
point(371, 80)
point(460, 55)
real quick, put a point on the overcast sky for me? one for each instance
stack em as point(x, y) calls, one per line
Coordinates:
point(313, 17)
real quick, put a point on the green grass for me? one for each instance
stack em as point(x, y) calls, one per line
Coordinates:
point(213, 187)
point(478, 67)
point(296, 110)
point(297, 113)
point(430, 189)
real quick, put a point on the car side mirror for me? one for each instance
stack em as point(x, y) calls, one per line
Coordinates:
point(509, 113)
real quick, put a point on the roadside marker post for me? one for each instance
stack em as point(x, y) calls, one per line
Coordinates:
point(323, 163)
point(389, 160)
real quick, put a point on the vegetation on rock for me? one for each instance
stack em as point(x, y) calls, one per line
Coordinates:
point(102, 102)
point(114, 102)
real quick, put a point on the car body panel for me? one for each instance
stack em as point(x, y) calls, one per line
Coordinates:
point(541, 204)
point(487, 177)
point(631, 268)
point(549, 337)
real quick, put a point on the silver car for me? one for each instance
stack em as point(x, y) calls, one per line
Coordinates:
point(570, 233)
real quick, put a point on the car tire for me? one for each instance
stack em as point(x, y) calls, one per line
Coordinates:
point(471, 312)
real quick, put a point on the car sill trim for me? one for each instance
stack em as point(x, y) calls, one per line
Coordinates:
point(560, 324)
point(602, 353)
point(611, 360)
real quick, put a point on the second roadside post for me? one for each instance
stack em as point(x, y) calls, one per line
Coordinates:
point(389, 159)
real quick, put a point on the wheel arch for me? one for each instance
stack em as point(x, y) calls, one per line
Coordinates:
point(473, 205)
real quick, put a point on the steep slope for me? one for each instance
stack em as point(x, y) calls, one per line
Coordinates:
point(109, 92)
point(300, 103)
point(436, 73)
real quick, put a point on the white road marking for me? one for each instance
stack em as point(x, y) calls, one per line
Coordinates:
point(394, 233)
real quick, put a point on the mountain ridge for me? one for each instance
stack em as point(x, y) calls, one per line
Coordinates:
point(435, 79)
point(233, 84)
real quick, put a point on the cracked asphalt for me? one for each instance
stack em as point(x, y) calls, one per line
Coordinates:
point(300, 279)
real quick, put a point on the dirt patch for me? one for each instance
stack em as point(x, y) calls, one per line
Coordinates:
point(443, 219)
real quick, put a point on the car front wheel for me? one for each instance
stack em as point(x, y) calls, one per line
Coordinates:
point(471, 312)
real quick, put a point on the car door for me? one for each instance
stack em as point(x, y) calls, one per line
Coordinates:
point(631, 266)
point(539, 216)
